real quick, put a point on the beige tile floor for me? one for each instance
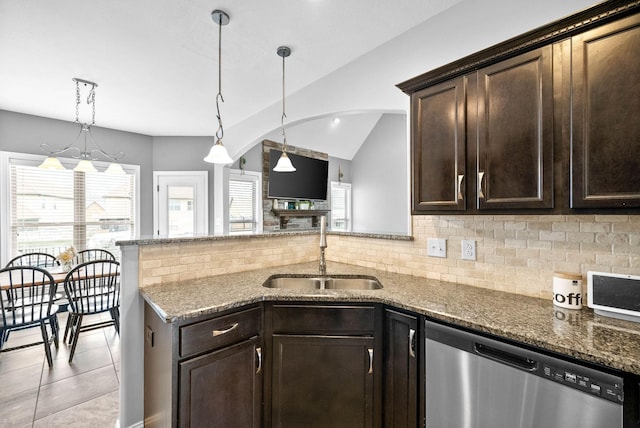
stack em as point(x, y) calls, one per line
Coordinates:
point(83, 393)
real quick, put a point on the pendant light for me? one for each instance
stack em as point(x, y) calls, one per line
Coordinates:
point(218, 153)
point(85, 155)
point(284, 163)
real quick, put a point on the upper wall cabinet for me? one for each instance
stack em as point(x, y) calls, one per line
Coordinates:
point(605, 161)
point(546, 122)
point(515, 133)
point(438, 147)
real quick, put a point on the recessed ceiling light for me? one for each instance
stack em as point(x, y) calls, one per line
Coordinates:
point(335, 121)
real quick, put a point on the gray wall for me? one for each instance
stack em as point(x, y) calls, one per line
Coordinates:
point(379, 179)
point(24, 133)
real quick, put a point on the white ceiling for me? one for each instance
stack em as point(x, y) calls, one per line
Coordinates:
point(156, 61)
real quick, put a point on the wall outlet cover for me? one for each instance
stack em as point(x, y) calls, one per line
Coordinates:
point(437, 247)
point(468, 249)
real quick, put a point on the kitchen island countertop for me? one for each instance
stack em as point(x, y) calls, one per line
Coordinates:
point(537, 322)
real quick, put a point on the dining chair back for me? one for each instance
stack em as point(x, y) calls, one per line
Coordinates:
point(91, 254)
point(28, 301)
point(34, 259)
point(92, 288)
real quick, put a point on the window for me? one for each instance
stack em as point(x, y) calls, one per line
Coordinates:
point(340, 206)
point(245, 202)
point(50, 210)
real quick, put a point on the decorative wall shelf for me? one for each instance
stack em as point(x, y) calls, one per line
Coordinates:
point(284, 216)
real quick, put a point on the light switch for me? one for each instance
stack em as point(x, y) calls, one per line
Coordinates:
point(437, 247)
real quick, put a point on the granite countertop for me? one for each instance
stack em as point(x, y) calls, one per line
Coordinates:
point(533, 321)
point(159, 240)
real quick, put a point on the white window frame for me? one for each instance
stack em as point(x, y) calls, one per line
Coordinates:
point(239, 175)
point(349, 219)
point(14, 158)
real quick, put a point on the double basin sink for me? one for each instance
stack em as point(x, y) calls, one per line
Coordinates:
point(333, 282)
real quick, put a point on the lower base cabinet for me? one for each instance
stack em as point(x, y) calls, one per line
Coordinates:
point(326, 365)
point(322, 381)
point(205, 372)
point(287, 365)
point(401, 370)
point(222, 388)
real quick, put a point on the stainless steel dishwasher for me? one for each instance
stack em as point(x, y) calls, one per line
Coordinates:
point(477, 382)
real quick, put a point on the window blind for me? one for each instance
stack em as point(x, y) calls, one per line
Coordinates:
point(340, 206)
point(52, 210)
point(243, 207)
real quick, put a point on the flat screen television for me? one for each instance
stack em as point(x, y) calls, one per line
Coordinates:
point(308, 181)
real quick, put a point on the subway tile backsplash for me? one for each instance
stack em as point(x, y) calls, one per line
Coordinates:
point(516, 254)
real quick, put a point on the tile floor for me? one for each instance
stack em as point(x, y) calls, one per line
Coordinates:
point(81, 394)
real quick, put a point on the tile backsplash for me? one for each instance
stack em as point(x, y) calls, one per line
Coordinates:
point(516, 254)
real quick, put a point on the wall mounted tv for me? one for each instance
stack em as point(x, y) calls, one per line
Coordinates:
point(308, 181)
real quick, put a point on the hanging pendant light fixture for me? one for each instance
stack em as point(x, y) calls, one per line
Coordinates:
point(85, 155)
point(284, 163)
point(218, 153)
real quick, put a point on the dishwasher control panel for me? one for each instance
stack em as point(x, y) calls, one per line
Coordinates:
point(582, 381)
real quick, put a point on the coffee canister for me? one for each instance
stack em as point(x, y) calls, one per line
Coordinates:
point(567, 290)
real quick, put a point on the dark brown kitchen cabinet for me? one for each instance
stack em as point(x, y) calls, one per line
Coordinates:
point(515, 133)
point(401, 370)
point(438, 147)
point(605, 162)
point(189, 363)
point(547, 121)
point(490, 132)
point(236, 370)
point(326, 366)
point(323, 381)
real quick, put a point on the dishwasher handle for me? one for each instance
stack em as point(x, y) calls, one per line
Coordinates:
point(508, 358)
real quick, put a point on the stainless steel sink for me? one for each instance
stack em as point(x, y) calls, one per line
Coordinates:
point(323, 283)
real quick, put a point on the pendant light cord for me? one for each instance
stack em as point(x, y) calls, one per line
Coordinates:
point(220, 131)
point(284, 135)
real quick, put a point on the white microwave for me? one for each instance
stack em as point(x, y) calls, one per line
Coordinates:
point(614, 295)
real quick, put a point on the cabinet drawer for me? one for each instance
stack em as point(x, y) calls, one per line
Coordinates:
point(218, 332)
point(323, 319)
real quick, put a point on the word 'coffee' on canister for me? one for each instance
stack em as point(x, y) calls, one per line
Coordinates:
point(567, 290)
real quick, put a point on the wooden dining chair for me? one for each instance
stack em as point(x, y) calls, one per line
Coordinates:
point(92, 288)
point(93, 254)
point(28, 301)
point(34, 259)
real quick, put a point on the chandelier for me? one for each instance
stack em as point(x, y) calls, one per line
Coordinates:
point(83, 151)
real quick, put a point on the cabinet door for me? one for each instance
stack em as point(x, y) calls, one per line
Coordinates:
point(401, 370)
point(438, 147)
point(322, 381)
point(605, 162)
point(222, 388)
point(515, 133)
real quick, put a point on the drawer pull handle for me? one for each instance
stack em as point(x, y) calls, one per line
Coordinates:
point(259, 356)
point(221, 332)
point(370, 350)
point(412, 343)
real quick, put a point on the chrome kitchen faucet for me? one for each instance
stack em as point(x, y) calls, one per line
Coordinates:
point(323, 245)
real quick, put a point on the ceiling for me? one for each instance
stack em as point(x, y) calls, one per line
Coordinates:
point(156, 61)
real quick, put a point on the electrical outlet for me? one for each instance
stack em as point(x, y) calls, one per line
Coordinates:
point(468, 249)
point(436, 247)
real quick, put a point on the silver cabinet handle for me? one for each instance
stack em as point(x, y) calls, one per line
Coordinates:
point(412, 345)
point(370, 350)
point(460, 178)
point(480, 178)
point(227, 330)
point(259, 355)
